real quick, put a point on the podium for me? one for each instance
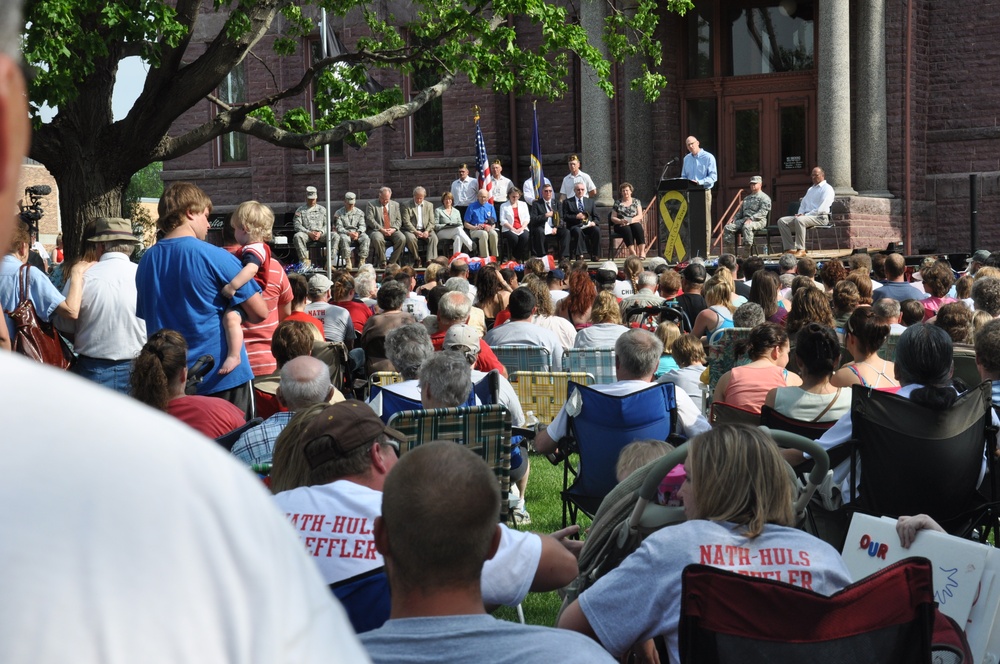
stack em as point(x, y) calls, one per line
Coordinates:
point(683, 209)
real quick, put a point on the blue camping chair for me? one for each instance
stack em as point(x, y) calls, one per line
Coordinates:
point(604, 425)
point(365, 598)
point(486, 390)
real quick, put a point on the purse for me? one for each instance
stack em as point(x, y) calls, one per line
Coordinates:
point(33, 337)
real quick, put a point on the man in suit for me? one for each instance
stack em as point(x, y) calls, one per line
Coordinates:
point(418, 223)
point(579, 217)
point(385, 223)
point(543, 210)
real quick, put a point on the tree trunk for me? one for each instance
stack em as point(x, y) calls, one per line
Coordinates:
point(84, 196)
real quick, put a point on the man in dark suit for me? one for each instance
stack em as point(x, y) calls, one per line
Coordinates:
point(418, 223)
point(579, 218)
point(385, 224)
point(546, 208)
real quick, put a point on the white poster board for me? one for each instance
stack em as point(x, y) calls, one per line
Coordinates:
point(966, 575)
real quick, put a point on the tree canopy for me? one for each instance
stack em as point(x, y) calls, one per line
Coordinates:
point(74, 47)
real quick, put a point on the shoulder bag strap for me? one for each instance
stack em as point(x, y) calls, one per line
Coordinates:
point(828, 406)
point(24, 280)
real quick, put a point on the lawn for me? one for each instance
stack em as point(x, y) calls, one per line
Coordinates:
point(545, 507)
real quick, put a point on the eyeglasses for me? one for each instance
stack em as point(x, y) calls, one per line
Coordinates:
point(394, 444)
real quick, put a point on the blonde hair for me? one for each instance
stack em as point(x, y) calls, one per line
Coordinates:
point(256, 219)
point(987, 271)
point(637, 454)
point(605, 309)
point(719, 292)
point(738, 475)
point(687, 350)
point(633, 268)
point(668, 333)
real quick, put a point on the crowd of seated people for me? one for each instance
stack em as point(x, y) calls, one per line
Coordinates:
point(804, 347)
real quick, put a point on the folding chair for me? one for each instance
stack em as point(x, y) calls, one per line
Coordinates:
point(598, 362)
point(486, 430)
point(888, 349)
point(886, 618)
point(914, 460)
point(334, 354)
point(724, 413)
point(486, 391)
point(772, 419)
point(382, 378)
point(722, 354)
point(964, 357)
point(601, 427)
point(365, 598)
point(543, 392)
point(516, 357)
point(227, 440)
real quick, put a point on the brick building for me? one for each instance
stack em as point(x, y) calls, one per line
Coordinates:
point(888, 97)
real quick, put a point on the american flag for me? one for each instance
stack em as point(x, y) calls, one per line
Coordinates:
point(483, 163)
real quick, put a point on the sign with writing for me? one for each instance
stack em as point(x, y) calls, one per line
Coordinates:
point(793, 163)
point(872, 544)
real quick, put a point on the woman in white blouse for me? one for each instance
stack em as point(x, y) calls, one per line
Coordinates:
point(514, 222)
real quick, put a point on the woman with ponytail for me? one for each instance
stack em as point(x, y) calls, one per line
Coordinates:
point(159, 376)
point(816, 400)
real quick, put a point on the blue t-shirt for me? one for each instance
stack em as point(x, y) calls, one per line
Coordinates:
point(179, 285)
point(41, 292)
point(478, 214)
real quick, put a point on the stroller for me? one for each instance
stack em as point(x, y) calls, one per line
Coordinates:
point(630, 512)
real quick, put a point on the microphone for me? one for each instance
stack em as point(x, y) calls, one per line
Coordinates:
point(664, 172)
point(39, 190)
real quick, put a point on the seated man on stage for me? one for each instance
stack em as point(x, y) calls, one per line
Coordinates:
point(545, 220)
point(418, 222)
point(814, 210)
point(350, 224)
point(481, 222)
point(750, 218)
point(579, 217)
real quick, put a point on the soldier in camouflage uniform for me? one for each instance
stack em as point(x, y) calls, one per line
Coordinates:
point(309, 223)
point(350, 223)
point(751, 217)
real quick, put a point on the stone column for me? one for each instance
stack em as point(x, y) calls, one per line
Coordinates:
point(834, 95)
point(872, 158)
point(638, 164)
point(595, 111)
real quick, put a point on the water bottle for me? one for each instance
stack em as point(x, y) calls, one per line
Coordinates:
point(530, 421)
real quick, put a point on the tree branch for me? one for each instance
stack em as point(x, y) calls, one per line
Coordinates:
point(236, 119)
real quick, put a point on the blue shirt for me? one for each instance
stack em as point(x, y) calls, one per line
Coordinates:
point(700, 168)
point(256, 445)
point(179, 285)
point(478, 214)
point(41, 292)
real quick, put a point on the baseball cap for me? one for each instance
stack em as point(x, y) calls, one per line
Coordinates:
point(319, 284)
point(695, 273)
point(979, 257)
point(341, 428)
point(609, 266)
point(756, 180)
point(311, 192)
point(557, 275)
point(654, 262)
point(350, 197)
point(461, 337)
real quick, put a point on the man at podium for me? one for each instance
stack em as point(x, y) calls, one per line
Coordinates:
point(699, 167)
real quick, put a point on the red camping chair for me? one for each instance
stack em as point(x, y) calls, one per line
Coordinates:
point(886, 618)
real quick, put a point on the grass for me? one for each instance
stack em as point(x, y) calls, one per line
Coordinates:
point(545, 506)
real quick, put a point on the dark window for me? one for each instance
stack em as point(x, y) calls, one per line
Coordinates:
point(793, 138)
point(427, 124)
point(702, 122)
point(232, 147)
point(700, 63)
point(771, 39)
point(747, 140)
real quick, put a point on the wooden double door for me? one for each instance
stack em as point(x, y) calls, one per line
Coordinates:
point(769, 134)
